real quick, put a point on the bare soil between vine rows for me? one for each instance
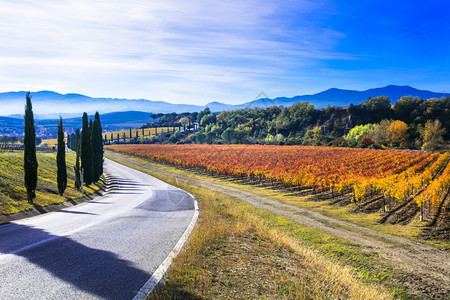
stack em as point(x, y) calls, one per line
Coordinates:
point(423, 269)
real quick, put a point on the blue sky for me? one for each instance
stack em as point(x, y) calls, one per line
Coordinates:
point(229, 51)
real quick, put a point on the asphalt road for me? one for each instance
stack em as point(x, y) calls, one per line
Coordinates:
point(104, 249)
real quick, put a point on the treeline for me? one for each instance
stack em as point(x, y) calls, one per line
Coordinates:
point(411, 122)
point(13, 140)
point(8, 139)
point(88, 143)
point(172, 120)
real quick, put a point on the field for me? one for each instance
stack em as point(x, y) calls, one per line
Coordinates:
point(403, 185)
point(13, 196)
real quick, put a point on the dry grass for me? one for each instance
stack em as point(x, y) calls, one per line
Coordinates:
point(233, 253)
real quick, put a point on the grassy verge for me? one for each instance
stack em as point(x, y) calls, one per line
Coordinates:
point(238, 249)
point(13, 198)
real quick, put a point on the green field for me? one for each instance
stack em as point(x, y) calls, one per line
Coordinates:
point(13, 197)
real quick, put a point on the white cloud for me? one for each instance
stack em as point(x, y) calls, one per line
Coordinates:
point(173, 50)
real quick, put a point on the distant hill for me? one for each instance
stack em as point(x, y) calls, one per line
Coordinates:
point(49, 105)
point(11, 126)
point(110, 121)
point(343, 98)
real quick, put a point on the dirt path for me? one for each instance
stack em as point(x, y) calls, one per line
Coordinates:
point(425, 270)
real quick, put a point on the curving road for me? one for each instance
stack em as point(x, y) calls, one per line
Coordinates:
point(105, 249)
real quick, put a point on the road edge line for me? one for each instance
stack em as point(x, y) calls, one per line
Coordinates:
point(148, 287)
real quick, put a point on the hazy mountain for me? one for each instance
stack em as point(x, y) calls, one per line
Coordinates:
point(122, 113)
point(110, 121)
point(47, 104)
point(339, 97)
point(50, 105)
point(11, 126)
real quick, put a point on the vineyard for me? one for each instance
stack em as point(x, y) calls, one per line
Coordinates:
point(402, 185)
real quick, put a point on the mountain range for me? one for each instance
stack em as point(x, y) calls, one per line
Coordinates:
point(119, 114)
point(50, 105)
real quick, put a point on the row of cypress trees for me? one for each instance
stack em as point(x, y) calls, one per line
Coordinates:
point(89, 160)
point(72, 139)
point(89, 151)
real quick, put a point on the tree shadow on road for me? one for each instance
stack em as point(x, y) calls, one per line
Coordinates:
point(95, 271)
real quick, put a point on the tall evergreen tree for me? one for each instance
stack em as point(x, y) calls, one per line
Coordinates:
point(77, 138)
point(97, 147)
point(77, 167)
point(90, 128)
point(87, 161)
point(73, 142)
point(69, 141)
point(30, 161)
point(99, 132)
point(61, 160)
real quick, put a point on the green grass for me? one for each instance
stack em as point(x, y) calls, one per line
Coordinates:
point(13, 198)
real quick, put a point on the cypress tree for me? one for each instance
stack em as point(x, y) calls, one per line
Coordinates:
point(69, 136)
point(61, 160)
point(73, 142)
point(97, 147)
point(30, 161)
point(87, 162)
point(77, 138)
point(99, 132)
point(77, 167)
point(90, 129)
